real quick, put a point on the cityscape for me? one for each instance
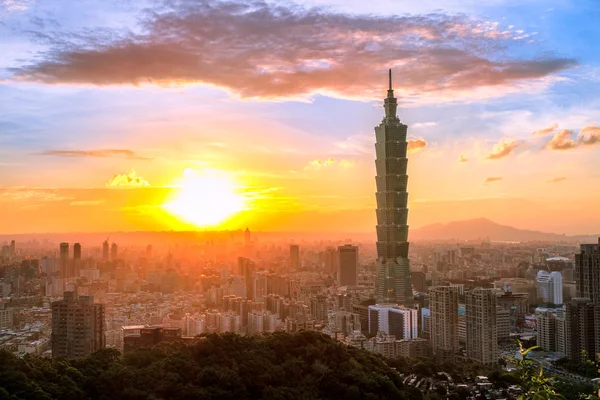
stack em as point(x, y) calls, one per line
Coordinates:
point(225, 282)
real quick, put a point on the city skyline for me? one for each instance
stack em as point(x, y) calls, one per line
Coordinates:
point(501, 104)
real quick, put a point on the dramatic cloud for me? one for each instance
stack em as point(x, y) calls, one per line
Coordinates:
point(316, 165)
point(589, 135)
point(492, 179)
point(93, 153)
point(462, 158)
point(128, 180)
point(562, 141)
point(272, 50)
point(546, 131)
point(556, 180)
point(504, 148)
point(415, 145)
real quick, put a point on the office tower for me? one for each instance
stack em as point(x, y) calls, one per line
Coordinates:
point(246, 269)
point(419, 281)
point(331, 261)
point(482, 331)
point(149, 250)
point(77, 251)
point(551, 329)
point(64, 251)
point(105, 250)
point(12, 250)
point(389, 319)
point(77, 326)
point(347, 265)
point(393, 283)
point(114, 251)
point(443, 321)
point(294, 257)
point(549, 287)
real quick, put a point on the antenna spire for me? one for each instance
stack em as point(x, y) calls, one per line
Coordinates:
point(390, 79)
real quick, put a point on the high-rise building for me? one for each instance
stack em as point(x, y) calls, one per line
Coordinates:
point(318, 308)
point(549, 287)
point(390, 319)
point(482, 331)
point(246, 269)
point(581, 330)
point(105, 252)
point(12, 250)
point(77, 326)
point(294, 257)
point(393, 283)
point(348, 265)
point(583, 313)
point(114, 252)
point(247, 238)
point(64, 251)
point(443, 321)
point(551, 329)
point(77, 251)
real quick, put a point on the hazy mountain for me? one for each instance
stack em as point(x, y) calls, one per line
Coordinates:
point(482, 228)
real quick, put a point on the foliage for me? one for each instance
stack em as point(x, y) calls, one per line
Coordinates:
point(305, 366)
point(536, 385)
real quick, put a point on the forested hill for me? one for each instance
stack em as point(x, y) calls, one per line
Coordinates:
point(278, 366)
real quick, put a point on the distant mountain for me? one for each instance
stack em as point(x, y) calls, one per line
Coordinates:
point(482, 228)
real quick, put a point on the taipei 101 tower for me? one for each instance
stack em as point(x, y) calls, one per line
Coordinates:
point(393, 272)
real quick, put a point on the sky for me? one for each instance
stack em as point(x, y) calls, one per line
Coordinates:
point(158, 115)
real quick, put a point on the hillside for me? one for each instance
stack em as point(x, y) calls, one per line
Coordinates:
point(482, 228)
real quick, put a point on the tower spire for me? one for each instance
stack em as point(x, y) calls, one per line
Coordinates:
point(390, 79)
point(390, 103)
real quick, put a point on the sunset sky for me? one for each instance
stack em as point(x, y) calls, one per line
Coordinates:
point(110, 109)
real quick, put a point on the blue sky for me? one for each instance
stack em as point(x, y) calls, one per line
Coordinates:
point(81, 76)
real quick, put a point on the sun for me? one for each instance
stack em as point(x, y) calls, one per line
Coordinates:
point(205, 199)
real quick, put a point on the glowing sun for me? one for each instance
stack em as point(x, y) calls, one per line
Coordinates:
point(205, 199)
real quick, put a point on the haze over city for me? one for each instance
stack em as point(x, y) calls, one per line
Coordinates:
point(319, 199)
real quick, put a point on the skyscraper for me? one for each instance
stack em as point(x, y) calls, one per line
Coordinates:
point(114, 252)
point(348, 265)
point(105, 250)
point(482, 332)
point(583, 313)
point(393, 272)
point(443, 321)
point(77, 326)
point(64, 251)
point(294, 257)
point(77, 251)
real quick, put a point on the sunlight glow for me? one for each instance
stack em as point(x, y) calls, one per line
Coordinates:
point(205, 199)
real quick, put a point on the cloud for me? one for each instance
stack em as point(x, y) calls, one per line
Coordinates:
point(316, 165)
point(504, 148)
point(273, 50)
point(462, 158)
point(15, 5)
point(93, 153)
point(562, 141)
point(556, 180)
point(589, 135)
point(424, 124)
point(415, 145)
point(492, 179)
point(546, 131)
point(127, 180)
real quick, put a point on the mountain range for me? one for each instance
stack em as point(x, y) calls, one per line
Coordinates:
point(484, 229)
